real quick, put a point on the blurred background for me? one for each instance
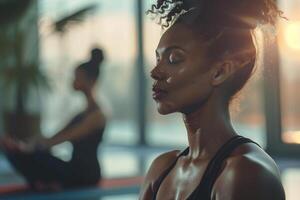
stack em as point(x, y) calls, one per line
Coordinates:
point(42, 41)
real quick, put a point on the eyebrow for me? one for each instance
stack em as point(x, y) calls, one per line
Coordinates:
point(164, 50)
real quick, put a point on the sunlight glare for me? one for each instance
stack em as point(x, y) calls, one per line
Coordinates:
point(292, 35)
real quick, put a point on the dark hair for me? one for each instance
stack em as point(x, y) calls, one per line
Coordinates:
point(226, 13)
point(226, 26)
point(92, 67)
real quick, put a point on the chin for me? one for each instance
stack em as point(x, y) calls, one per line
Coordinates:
point(164, 109)
point(78, 89)
point(163, 112)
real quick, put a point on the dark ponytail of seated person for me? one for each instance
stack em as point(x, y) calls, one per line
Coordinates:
point(92, 67)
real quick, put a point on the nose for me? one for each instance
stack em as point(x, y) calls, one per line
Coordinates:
point(158, 74)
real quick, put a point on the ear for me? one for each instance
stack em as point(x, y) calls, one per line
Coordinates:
point(222, 71)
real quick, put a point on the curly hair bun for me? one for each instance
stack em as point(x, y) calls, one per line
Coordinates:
point(227, 13)
point(244, 13)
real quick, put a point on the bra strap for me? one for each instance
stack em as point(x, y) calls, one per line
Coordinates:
point(214, 167)
point(158, 182)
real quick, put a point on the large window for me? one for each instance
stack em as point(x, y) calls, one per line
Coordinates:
point(289, 51)
point(247, 110)
point(111, 26)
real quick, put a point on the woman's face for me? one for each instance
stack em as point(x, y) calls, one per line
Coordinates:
point(182, 77)
point(80, 82)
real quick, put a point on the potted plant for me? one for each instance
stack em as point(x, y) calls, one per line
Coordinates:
point(19, 82)
point(22, 77)
point(19, 76)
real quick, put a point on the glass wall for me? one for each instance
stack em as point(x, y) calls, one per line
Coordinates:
point(289, 51)
point(247, 110)
point(111, 26)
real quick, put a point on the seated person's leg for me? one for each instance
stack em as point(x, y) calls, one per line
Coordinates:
point(40, 169)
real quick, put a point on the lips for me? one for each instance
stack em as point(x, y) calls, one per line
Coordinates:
point(158, 93)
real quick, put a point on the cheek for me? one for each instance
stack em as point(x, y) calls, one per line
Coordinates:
point(193, 93)
point(187, 88)
point(177, 77)
point(77, 84)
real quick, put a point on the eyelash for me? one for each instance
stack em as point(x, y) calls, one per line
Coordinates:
point(178, 60)
point(169, 60)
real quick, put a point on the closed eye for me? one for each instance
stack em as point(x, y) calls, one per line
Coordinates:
point(175, 58)
point(172, 54)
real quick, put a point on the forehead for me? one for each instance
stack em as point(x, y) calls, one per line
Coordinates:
point(182, 36)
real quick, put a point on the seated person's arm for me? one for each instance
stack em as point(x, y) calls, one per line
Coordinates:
point(93, 121)
point(70, 133)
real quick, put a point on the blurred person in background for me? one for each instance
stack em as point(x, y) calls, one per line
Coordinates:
point(204, 59)
point(33, 159)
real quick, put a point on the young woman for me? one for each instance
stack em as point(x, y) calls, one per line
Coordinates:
point(46, 172)
point(204, 59)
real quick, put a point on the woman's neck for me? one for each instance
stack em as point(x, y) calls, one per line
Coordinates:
point(91, 100)
point(208, 128)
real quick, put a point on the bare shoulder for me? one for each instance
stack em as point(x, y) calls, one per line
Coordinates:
point(250, 173)
point(160, 164)
point(96, 118)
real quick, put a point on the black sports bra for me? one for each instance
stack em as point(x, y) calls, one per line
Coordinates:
point(204, 189)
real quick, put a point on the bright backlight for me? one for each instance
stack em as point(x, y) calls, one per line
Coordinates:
point(292, 35)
